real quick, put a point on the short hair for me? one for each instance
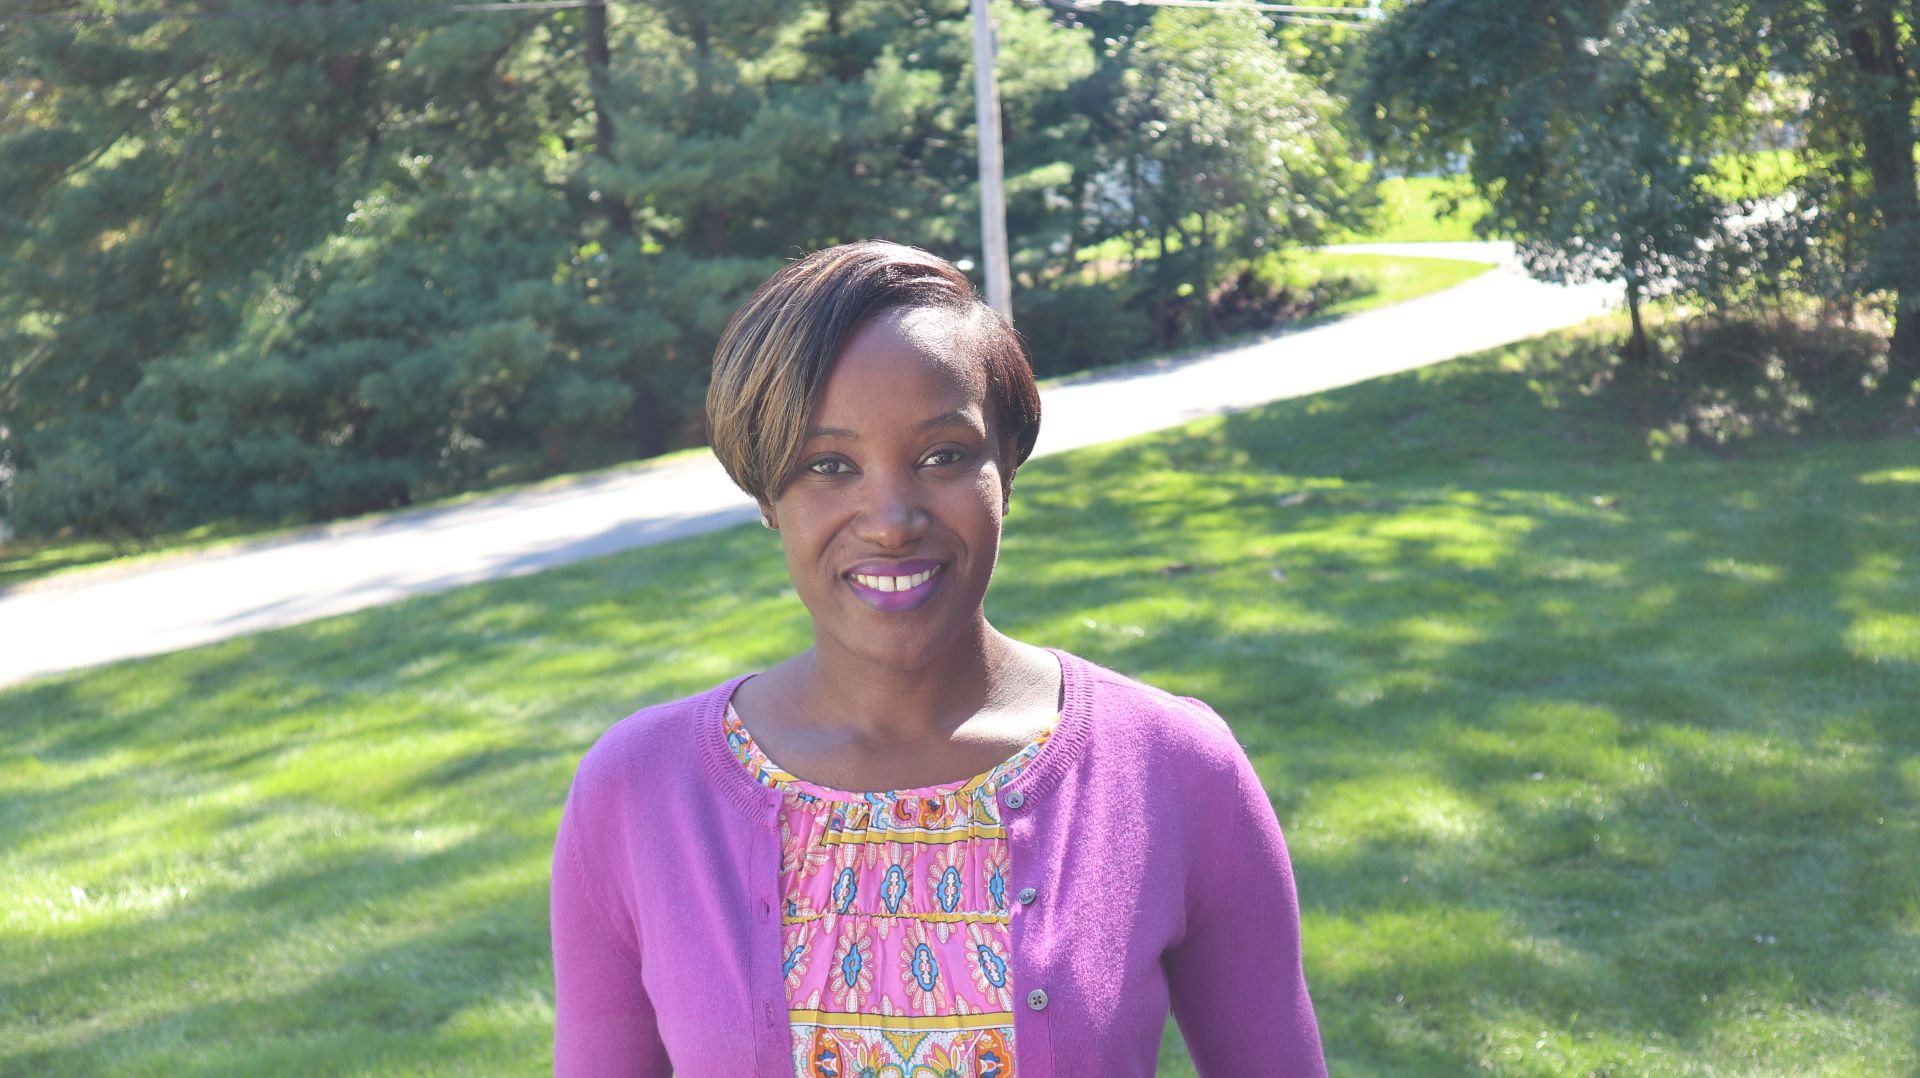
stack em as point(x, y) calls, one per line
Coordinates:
point(773, 359)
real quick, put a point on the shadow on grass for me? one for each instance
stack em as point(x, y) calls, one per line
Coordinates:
point(305, 850)
point(1586, 763)
point(1557, 733)
point(312, 968)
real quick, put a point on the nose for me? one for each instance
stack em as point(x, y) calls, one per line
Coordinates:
point(891, 515)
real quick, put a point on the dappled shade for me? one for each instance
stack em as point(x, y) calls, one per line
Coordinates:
point(1585, 762)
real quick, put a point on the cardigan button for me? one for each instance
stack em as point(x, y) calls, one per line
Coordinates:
point(1027, 895)
point(1015, 799)
point(1037, 1000)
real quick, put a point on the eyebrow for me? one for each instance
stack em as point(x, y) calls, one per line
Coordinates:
point(957, 417)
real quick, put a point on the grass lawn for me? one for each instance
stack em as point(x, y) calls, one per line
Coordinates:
point(1588, 764)
point(1414, 210)
point(1392, 279)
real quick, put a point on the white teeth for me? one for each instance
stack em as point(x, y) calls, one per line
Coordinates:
point(895, 583)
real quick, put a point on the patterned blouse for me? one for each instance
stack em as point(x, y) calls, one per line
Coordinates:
point(896, 925)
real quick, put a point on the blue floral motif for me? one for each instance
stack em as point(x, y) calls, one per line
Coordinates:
point(844, 888)
point(837, 844)
point(894, 888)
point(925, 967)
point(949, 890)
point(991, 966)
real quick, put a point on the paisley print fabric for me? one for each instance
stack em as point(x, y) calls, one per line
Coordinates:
point(896, 942)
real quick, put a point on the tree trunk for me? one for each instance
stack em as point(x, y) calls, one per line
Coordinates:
point(619, 214)
point(1637, 349)
point(1208, 326)
point(1886, 100)
point(1162, 292)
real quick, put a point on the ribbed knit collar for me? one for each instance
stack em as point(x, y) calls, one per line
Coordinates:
point(708, 729)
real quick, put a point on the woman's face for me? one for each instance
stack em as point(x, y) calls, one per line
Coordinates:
point(891, 522)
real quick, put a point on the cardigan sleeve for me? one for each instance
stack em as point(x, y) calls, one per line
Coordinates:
point(1239, 991)
point(604, 1023)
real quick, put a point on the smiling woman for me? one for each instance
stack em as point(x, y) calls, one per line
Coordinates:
point(973, 856)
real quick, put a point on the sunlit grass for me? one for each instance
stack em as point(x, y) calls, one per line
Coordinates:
point(1390, 279)
point(1587, 764)
point(1424, 209)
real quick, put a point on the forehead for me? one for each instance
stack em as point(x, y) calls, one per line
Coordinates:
point(905, 361)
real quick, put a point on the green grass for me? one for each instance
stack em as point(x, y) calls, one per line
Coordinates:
point(1413, 209)
point(1416, 209)
point(1440, 209)
point(1587, 764)
point(1391, 279)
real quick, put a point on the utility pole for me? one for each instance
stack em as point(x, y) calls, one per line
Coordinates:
point(993, 201)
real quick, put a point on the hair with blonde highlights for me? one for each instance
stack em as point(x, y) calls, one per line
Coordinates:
point(775, 355)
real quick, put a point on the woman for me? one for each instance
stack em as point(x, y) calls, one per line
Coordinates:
point(973, 856)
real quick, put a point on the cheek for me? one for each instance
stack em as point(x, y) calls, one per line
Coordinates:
point(988, 495)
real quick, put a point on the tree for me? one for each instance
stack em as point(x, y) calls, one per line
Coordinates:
point(1577, 153)
point(1593, 129)
point(315, 259)
point(286, 265)
point(1225, 153)
point(1858, 62)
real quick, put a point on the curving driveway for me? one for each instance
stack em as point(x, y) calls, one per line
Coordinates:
point(86, 618)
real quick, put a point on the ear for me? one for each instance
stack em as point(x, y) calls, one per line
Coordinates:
point(1006, 493)
point(767, 518)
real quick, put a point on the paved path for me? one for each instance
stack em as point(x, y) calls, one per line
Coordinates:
point(86, 618)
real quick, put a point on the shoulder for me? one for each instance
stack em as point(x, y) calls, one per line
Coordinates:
point(654, 744)
point(1162, 728)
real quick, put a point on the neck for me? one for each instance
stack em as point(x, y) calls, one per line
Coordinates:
point(887, 706)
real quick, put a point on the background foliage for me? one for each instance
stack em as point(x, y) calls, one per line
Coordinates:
point(1738, 154)
point(309, 260)
point(345, 257)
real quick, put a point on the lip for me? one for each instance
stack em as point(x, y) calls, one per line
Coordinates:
point(894, 602)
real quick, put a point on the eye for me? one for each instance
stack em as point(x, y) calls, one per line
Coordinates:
point(944, 456)
point(829, 466)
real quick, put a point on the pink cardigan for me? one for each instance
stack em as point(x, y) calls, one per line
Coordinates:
point(1161, 874)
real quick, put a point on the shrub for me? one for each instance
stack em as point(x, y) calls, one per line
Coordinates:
point(1718, 382)
point(1073, 325)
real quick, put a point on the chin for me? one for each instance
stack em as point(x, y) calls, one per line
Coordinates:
point(902, 642)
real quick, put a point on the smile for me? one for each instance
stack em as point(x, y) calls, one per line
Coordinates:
point(896, 591)
point(893, 583)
